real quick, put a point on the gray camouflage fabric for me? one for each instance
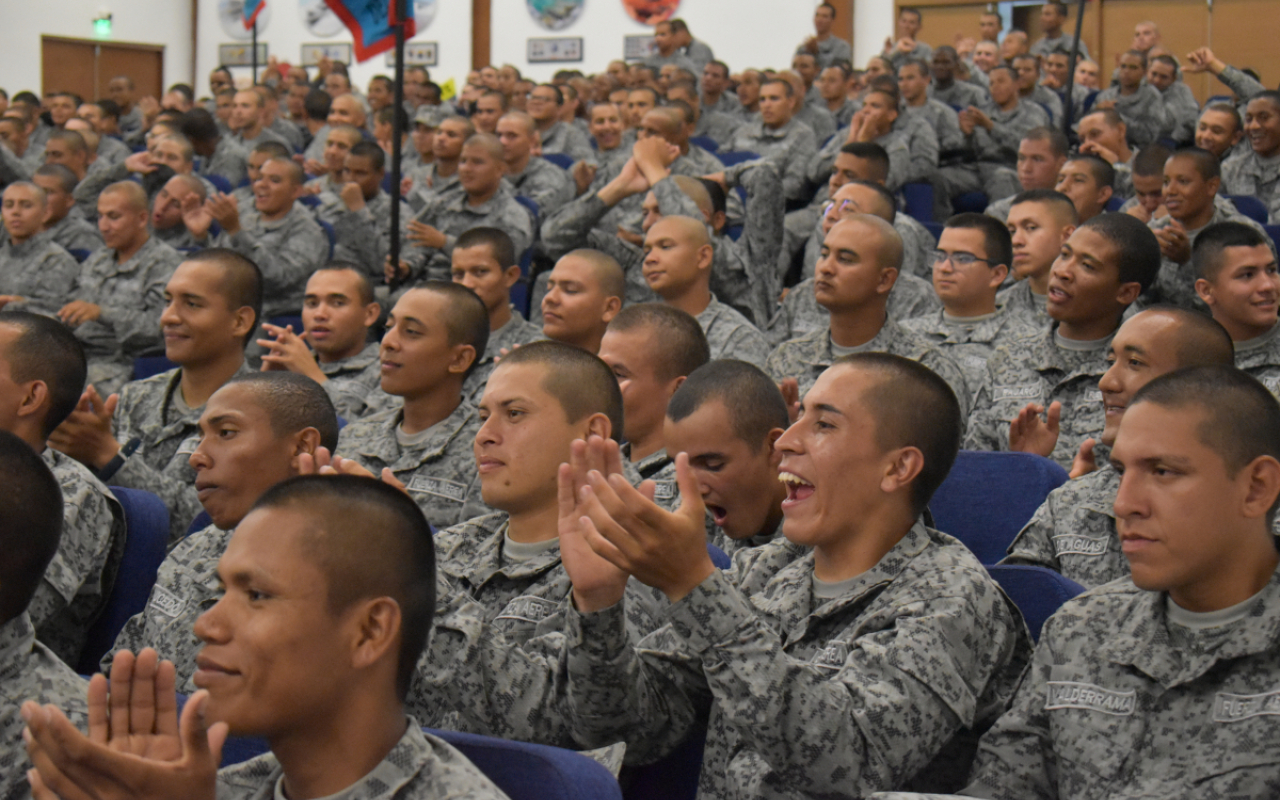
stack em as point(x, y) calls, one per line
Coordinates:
point(1182, 111)
point(831, 50)
point(960, 93)
point(287, 251)
point(1248, 173)
point(428, 185)
point(1175, 283)
point(352, 380)
point(887, 686)
point(420, 767)
point(544, 183)
point(78, 580)
point(1000, 144)
point(38, 270)
point(917, 245)
point(516, 332)
point(1261, 358)
point(1062, 43)
point(569, 140)
point(731, 335)
point(895, 143)
point(1034, 369)
point(229, 161)
point(453, 216)
point(363, 236)
point(970, 345)
point(789, 147)
point(29, 671)
point(1143, 112)
point(439, 475)
point(799, 314)
point(1019, 297)
point(718, 126)
point(75, 233)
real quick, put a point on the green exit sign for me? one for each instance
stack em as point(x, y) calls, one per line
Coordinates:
point(102, 27)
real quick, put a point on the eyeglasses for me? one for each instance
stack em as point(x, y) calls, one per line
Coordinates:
point(957, 259)
point(846, 206)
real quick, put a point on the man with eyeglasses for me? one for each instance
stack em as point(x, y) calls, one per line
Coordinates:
point(544, 105)
point(971, 262)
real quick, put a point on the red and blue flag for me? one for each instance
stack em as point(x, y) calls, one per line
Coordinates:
point(372, 24)
point(252, 8)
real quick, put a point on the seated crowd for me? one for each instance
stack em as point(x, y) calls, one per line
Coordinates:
point(475, 473)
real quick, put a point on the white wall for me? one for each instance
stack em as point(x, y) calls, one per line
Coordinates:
point(166, 22)
point(742, 33)
point(285, 34)
point(873, 21)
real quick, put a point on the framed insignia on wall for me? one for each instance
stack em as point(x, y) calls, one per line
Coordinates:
point(651, 12)
point(555, 15)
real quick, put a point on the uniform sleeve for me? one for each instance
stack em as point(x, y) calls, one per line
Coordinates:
point(359, 237)
point(952, 374)
point(1244, 86)
point(285, 267)
point(924, 154)
point(137, 326)
point(567, 228)
point(985, 431)
point(763, 231)
point(1034, 544)
point(577, 145)
point(178, 493)
point(799, 154)
point(54, 282)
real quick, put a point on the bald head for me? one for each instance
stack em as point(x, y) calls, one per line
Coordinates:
point(1198, 340)
point(522, 119)
point(347, 133)
point(686, 229)
point(665, 121)
point(346, 109)
point(135, 197)
point(491, 144)
point(603, 269)
point(875, 235)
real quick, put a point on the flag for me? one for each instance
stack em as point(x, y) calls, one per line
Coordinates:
point(252, 8)
point(372, 24)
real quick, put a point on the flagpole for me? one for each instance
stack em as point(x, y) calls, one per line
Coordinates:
point(1069, 106)
point(255, 51)
point(397, 136)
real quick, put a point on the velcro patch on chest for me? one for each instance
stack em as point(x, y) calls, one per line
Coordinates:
point(1024, 391)
point(831, 657)
point(1073, 544)
point(664, 490)
point(1087, 696)
point(1238, 707)
point(166, 602)
point(439, 487)
point(528, 608)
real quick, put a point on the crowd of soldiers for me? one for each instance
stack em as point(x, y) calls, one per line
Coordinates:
point(636, 321)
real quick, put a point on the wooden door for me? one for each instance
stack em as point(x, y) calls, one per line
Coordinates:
point(479, 33)
point(86, 66)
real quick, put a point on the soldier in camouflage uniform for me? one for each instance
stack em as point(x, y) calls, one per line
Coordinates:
point(1136, 101)
point(438, 180)
point(782, 652)
point(79, 579)
point(338, 310)
point(1108, 261)
point(361, 216)
point(484, 261)
point(65, 223)
point(854, 281)
point(1074, 531)
point(1163, 686)
point(995, 133)
point(1039, 221)
point(969, 325)
point(584, 292)
point(527, 174)
point(779, 138)
point(1254, 171)
point(211, 314)
point(30, 522)
point(434, 335)
point(1235, 268)
point(277, 416)
point(118, 297)
point(34, 271)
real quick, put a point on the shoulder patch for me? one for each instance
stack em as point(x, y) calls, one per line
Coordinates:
point(1087, 696)
point(1237, 707)
point(449, 490)
point(1074, 544)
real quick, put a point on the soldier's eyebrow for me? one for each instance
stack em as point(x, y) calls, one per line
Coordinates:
point(1133, 348)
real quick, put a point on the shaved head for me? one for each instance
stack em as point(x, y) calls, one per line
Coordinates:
point(696, 191)
point(604, 269)
point(886, 241)
point(134, 195)
point(490, 143)
point(685, 228)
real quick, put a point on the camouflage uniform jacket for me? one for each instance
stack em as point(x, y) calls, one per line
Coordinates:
point(29, 671)
point(731, 335)
point(542, 182)
point(917, 245)
point(806, 357)
point(971, 345)
point(743, 272)
point(1175, 283)
point(131, 296)
point(1019, 297)
point(1121, 702)
point(516, 332)
point(658, 467)
point(790, 147)
point(229, 161)
point(1260, 358)
point(1000, 144)
point(888, 685)
point(352, 380)
point(1250, 174)
point(440, 474)
point(287, 251)
point(577, 224)
point(945, 123)
point(718, 126)
point(420, 767)
point(922, 144)
point(78, 580)
point(818, 169)
point(1143, 112)
point(569, 140)
point(363, 236)
point(831, 50)
point(1000, 208)
point(146, 411)
point(75, 233)
point(186, 586)
point(429, 187)
point(38, 270)
point(1074, 531)
point(1181, 109)
point(453, 216)
point(1034, 369)
point(960, 93)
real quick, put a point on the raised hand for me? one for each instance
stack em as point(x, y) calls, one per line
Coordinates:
point(597, 582)
point(1028, 433)
point(85, 434)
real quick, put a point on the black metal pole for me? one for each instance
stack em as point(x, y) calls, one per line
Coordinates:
point(254, 54)
point(1070, 106)
point(397, 135)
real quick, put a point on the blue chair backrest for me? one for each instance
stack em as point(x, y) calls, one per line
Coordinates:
point(202, 521)
point(673, 777)
point(330, 235)
point(976, 202)
point(311, 201)
point(706, 143)
point(919, 200)
point(988, 497)
point(935, 228)
point(530, 206)
point(79, 254)
point(284, 322)
point(1274, 232)
point(147, 366)
point(561, 160)
point(1250, 206)
point(1114, 203)
point(731, 157)
point(220, 183)
point(719, 557)
point(1036, 591)
point(734, 232)
point(146, 541)
point(535, 771)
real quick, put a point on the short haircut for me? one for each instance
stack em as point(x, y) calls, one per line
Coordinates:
point(1109, 116)
point(316, 104)
point(1167, 59)
point(1058, 144)
point(1206, 253)
point(873, 153)
point(73, 139)
point(466, 318)
point(911, 407)
point(723, 67)
point(919, 63)
point(578, 380)
point(1138, 256)
point(1141, 55)
point(499, 243)
point(1003, 68)
point(198, 125)
point(613, 281)
point(1200, 339)
point(1242, 418)
point(679, 343)
point(789, 90)
point(1271, 95)
point(184, 145)
point(751, 397)
point(272, 149)
point(830, 8)
point(371, 541)
point(47, 351)
point(1225, 108)
point(502, 98)
point(132, 192)
point(61, 173)
point(1149, 162)
point(1058, 6)
point(30, 523)
point(109, 107)
point(912, 11)
point(1103, 173)
point(488, 142)
point(1056, 200)
point(888, 204)
point(559, 94)
point(293, 403)
point(1206, 163)
point(652, 92)
point(995, 235)
point(364, 282)
point(241, 284)
point(183, 89)
point(372, 151)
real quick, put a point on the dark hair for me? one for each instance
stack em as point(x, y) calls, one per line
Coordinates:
point(920, 64)
point(1149, 162)
point(1103, 173)
point(1049, 197)
point(47, 351)
point(872, 152)
point(912, 407)
point(1138, 256)
point(371, 541)
point(578, 380)
point(789, 91)
point(183, 89)
point(653, 92)
point(241, 284)
point(466, 317)
point(1058, 6)
point(365, 283)
point(272, 149)
point(73, 139)
point(372, 151)
point(1206, 163)
point(30, 523)
point(198, 125)
point(1058, 144)
point(60, 172)
point(1206, 253)
point(751, 397)
point(1167, 59)
point(293, 403)
point(1200, 339)
point(499, 243)
point(1271, 95)
point(886, 197)
point(830, 8)
point(679, 345)
point(1242, 418)
point(316, 104)
point(995, 236)
point(1139, 54)
point(559, 94)
point(109, 107)
point(909, 10)
point(716, 192)
point(1225, 108)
